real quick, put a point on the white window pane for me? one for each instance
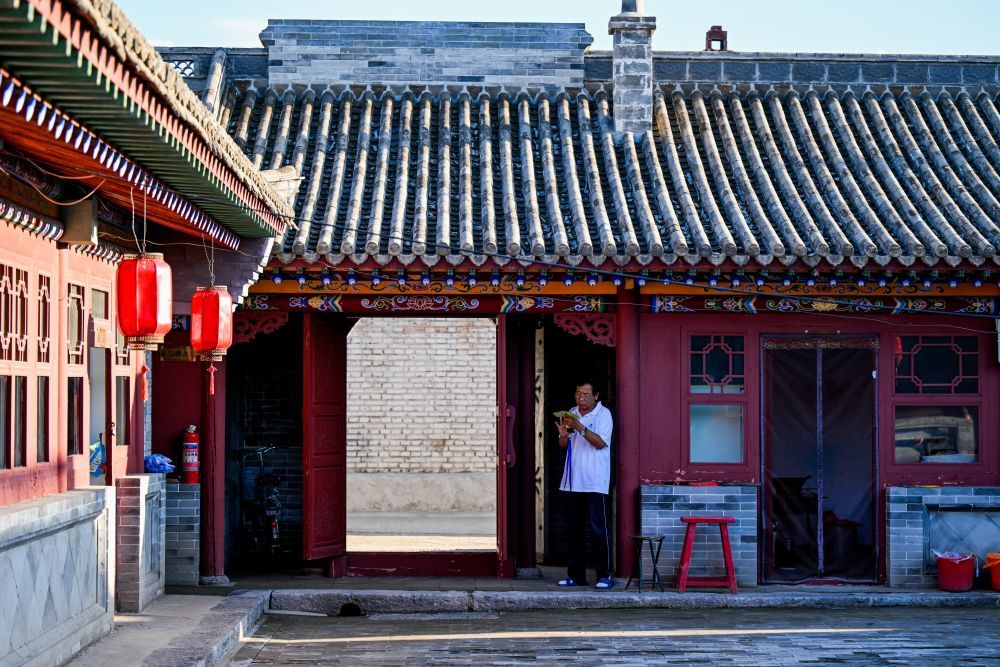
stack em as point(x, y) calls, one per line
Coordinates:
point(716, 433)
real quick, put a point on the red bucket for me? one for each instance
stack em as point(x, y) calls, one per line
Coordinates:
point(956, 573)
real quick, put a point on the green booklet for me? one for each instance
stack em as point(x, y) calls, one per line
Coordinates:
point(566, 413)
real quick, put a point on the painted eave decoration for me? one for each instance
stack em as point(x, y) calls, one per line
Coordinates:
point(89, 61)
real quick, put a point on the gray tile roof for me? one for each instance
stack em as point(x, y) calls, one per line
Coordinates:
point(755, 179)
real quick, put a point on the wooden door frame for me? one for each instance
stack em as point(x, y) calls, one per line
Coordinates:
point(512, 538)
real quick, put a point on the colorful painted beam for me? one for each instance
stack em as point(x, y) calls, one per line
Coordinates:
point(875, 305)
point(426, 304)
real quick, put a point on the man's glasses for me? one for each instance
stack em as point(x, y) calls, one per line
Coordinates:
point(583, 394)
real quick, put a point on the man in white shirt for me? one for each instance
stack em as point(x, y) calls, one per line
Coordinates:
point(586, 435)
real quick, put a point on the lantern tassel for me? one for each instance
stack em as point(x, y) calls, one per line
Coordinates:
point(143, 383)
point(211, 379)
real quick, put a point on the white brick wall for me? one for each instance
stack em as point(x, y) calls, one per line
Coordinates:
point(421, 395)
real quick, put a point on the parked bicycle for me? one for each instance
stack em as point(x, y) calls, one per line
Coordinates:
point(261, 505)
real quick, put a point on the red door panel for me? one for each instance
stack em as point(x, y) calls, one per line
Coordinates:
point(324, 436)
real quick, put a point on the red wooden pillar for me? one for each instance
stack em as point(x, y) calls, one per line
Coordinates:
point(525, 426)
point(213, 475)
point(627, 368)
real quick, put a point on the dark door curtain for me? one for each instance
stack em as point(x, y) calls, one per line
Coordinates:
point(819, 435)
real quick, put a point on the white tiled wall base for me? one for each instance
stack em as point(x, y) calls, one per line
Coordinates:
point(921, 520)
point(56, 575)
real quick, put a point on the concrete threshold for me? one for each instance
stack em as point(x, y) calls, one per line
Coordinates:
point(178, 630)
point(334, 602)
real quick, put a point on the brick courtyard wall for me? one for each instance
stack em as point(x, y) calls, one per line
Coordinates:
point(421, 395)
point(662, 508)
point(434, 52)
point(140, 537)
point(921, 521)
point(183, 533)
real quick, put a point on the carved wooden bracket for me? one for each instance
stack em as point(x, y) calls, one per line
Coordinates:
point(248, 324)
point(599, 328)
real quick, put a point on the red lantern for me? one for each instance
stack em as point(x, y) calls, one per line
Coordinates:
point(144, 300)
point(211, 322)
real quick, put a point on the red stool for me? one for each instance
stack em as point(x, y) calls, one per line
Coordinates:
point(682, 573)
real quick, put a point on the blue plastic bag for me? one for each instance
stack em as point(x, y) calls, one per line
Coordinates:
point(97, 459)
point(158, 463)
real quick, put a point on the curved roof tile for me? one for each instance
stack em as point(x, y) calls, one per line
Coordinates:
point(759, 179)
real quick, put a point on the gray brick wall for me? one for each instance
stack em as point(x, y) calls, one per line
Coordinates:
point(662, 507)
point(911, 515)
point(140, 532)
point(183, 526)
point(831, 69)
point(425, 52)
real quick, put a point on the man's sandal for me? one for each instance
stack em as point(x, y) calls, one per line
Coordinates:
point(569, 583)
point(604, 584)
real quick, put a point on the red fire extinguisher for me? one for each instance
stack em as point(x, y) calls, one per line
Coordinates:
point(190, 456)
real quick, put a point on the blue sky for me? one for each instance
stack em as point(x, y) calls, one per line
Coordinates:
point(837, 26)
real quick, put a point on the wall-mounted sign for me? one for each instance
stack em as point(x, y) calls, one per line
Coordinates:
point(176, 353)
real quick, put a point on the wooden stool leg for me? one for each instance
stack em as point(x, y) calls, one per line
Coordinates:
point(682, 571)
point(727, 553)
point(657, 580)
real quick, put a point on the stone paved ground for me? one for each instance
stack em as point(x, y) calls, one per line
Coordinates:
point(888, 636)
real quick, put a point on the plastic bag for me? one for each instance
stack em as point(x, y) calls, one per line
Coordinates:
point(97, 459)
point(158, 463)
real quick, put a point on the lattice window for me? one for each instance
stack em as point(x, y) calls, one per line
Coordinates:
point(74, 324)
point(44, 318)
point(42, 419)
point(99, 303)
point(185, 67)
point(717, 365)
point(20, 415)
point(937, 364)
point(13, 314)
point(715, 404)
point(123, 410)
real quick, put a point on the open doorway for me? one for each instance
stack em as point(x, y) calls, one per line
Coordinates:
point(98, 367)
point(421, 435)
point(562, 359)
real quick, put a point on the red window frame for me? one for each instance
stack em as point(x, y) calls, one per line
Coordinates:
point(690, 398)
point(664, 400)
point(976, 399)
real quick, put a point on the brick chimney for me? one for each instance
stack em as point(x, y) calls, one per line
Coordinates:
point(716, 39)
point(632, 68)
